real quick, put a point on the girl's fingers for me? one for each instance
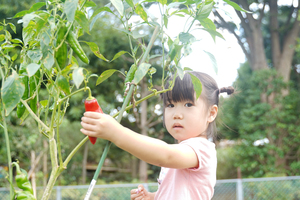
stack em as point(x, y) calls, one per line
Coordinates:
point(88, 133)
point(89, 120)
point(87, 126)
point(94, 115)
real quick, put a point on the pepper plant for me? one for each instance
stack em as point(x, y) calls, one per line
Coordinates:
point(50, 56)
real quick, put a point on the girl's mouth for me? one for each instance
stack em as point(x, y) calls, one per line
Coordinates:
point(177, 125)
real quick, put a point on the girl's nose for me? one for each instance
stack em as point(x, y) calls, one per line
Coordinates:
point(178, 114)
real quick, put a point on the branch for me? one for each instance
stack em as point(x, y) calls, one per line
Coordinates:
point(252, 22)
point(154, 123)
point(37, 160)
point(231, 29)
point(262, 13)
point(36, 118)
point(276, 53)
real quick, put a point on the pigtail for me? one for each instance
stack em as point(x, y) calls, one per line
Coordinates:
point(229, 90)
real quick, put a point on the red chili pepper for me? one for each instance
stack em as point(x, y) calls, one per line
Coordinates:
point(91, 104)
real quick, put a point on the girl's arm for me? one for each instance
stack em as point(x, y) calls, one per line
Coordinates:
point(151, 150)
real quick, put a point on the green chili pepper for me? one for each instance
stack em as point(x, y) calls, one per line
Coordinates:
point(20, 195)
point(33, 81)
point(24, 79)
point(61, 54)
point(72, 40)
point(23, 183)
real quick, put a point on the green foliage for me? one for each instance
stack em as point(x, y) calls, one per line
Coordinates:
point(259, 112)
point(226, 168)
point(58, 74)
point(272, 190)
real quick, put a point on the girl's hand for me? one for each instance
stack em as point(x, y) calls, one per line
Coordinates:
point(141, 194)
point(99, 125)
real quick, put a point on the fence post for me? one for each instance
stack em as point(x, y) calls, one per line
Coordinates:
point(239, 190)
point(58, 193)
point(146, 186)
point(239, 185)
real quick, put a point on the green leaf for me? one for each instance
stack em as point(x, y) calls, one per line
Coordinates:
point(141, 72)
point(205, 11)
point(118, 55)
point(130, 3)
point(187, 69)
point(141, 12)
point(208, 24)
point(163, 2)
point(33, 8)
point(78, 76)
point(80, 17)
point(48, 61)
point(32, 69)
point(37, 6)
point(186, 37)
point(41, 21)
point(16, 40)
point(44, 103)
point(22, 13)
point(97, 14)
point(28, 33)
point(27, 18)
point(213, 60)
point(180, 72)
point(124, 31)
point(118, 4)
point(35, 55)
point(63, 84)
point(152, 71)
point(11, 92)
point(2, 37)
point(130, 75)
point(175, 50)
point(70, 7)
point(236, 6)
point(106, 74)
point(197, 85)
point(214, 33)
point(14, 57)
point(95, 49)
point(13, 27)
point(165, 21)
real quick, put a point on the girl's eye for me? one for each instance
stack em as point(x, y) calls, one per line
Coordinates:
point(170, 105)
point(188, 105)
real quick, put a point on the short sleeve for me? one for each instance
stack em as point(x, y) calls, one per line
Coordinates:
point(204, 149)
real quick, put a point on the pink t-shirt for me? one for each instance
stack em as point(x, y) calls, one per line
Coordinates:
point(194, 183)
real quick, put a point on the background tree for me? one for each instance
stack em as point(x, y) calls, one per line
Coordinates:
point(267, 85)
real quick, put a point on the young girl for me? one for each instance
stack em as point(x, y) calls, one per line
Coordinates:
point(188, 169)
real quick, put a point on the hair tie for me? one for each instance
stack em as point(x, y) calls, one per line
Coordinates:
point(229, 90)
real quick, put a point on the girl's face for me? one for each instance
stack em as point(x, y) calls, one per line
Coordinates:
point(186, 119)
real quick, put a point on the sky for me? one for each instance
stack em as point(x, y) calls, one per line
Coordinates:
point(227, 52)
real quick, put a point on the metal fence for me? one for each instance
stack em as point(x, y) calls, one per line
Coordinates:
point(279, 188)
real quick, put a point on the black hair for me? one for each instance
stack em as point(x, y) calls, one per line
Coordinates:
point(183, 90)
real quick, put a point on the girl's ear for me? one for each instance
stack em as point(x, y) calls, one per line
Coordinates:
point(213, 113)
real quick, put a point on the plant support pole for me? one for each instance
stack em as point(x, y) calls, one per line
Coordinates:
point(106, 149)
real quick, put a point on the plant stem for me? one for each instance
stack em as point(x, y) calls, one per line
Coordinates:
point(53, 176)
point(106, 149)
point(57, 134)
point(8, 153)
point(67, 160)
point(33, 115)
point(77, 91)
